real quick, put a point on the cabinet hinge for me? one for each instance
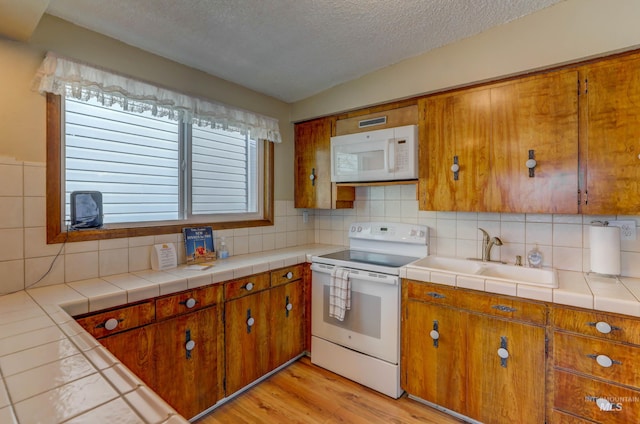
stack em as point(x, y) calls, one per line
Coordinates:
point(546, 347)
point(579, 197)
point(224, 384)
point(586, 86)
point(586, 197)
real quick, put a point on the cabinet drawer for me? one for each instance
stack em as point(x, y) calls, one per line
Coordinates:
point(286, 275)
point(583, 354)
point(504, 306)
point(114, 321)
point(558, 417)
point(187, 301)
point(581, 396)
point(432, 293)
point(599, 324)
point(244, 286)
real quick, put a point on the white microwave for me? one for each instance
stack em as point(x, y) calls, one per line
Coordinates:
point(383, 155)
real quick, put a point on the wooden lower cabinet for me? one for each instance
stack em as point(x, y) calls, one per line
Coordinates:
point(434, 369)
point(135, 349)
point(246, 340)
point(511, 389)
point(287, 327)
point(450, 353)
point(188, 361)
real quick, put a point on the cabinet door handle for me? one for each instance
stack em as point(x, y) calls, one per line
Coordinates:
point(604, 361)
point(250, 321)
point(312, 177)
point(531, 164)
point(189, 344)
point(248, 286)
point(189, 303)
point(503, 308)
point(603, 327)
point(435, 334)
point(455, 168)
point(110, 324)
point(288, 306)
point(503, 353)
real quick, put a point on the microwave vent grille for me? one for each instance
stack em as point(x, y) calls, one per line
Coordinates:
point(372, 122)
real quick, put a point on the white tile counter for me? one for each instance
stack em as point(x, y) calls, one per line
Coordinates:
point(590, 291)
point(53, 371)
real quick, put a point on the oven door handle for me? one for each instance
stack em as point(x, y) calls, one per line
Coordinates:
point(359, 275)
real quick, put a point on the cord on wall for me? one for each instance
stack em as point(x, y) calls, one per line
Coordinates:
point(52, 262)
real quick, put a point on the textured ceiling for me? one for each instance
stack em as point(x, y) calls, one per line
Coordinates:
point(290, 49)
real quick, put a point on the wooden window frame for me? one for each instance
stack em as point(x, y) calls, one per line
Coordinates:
point(57, 234)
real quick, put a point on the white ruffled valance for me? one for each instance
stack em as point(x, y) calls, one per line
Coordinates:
point(67, 77)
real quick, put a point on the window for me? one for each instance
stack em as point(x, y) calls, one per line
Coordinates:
point(156, 175)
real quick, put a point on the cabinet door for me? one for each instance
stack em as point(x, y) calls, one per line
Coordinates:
point(612, 130)
point(287, 311)
point(313, 164)
point(534, 117)
point(135, 348)
point(188, 361)
point(454, 128)
point(511, 389)
point(246, 340)
point(434, 369)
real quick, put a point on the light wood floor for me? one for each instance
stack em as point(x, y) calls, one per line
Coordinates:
point(305, 393)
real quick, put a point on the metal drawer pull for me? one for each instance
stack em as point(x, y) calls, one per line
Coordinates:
point(604, 361)
point(436, 295)
point(435, 334)
point(110, 324)
point(504, 308)
point(288, 275)
point(189, 344)
point(248, 286)
point(189, 303)
point(603, 327)
point(250, 321)
point(503, 353)
point(287, 306)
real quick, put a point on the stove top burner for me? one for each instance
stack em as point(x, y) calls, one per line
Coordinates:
point(363, 257)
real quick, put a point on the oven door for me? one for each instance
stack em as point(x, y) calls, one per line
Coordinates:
point(371, 326)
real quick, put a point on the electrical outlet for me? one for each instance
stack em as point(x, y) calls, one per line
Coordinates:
point(627, 229)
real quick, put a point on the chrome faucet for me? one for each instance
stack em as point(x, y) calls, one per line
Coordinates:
point(487, 244)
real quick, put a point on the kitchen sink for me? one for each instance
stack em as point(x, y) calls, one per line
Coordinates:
point(544, 277)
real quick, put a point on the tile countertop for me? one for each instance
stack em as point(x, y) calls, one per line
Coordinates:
point(53, 371)
point(591, 291)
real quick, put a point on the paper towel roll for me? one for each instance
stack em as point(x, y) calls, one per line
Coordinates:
point(605, 250)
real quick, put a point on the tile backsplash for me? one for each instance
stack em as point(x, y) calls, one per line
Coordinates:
point(27, 261)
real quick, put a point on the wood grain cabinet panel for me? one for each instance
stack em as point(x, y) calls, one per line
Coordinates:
point(189, 360)
point(246, 286)
point(595, 400)
point(611, 132)
point(434, 369)
point(454, 128)
point(312, 178)
point(534, 117)
point(507, 389)
point(287, 310)
point(505, 307)
point(135, 349)
point(287, 275)
point(246, 340)
point(586, 322)
point(188, 301)
point(119, 319)
point(615, 362)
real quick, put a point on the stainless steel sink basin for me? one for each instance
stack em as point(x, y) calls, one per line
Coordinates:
point(544, 277)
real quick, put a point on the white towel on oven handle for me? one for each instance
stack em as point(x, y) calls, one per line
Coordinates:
point(339, 293)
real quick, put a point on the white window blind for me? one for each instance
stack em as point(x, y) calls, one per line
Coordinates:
point(132, 158)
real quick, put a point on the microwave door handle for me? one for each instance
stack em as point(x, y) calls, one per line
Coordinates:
point(391, 155)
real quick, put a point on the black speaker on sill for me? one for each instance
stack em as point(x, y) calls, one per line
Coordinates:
point(86, 209)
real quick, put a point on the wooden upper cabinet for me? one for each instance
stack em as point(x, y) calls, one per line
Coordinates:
point(611, 116)
point(312, 184)
point(454, 128)
point(537, 118)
